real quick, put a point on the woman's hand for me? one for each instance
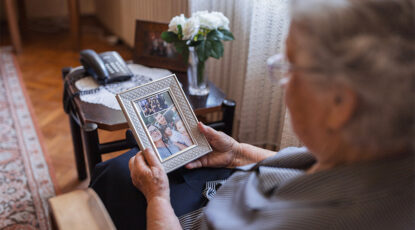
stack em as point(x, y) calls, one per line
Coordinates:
point(225, 153)
point(148, 175)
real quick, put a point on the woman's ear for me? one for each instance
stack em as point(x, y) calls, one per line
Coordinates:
point(342, 107)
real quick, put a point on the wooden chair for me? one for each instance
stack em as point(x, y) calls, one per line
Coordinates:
point(81, 210)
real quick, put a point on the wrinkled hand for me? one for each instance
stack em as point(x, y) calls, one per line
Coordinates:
point(148, 175)
point(225, 150)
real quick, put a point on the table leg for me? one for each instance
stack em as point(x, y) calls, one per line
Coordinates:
point(13, 26)
point(77, 146)
point(228, 108)
point(91, 143)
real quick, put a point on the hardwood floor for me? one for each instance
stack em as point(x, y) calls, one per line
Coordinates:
point(45, 53)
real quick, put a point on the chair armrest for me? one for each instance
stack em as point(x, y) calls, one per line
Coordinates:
point(80, 209)
point(226, 124)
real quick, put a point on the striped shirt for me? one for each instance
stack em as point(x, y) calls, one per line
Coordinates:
point(277, 194)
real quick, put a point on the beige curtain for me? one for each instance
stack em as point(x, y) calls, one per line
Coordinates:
point(260, 28)
point(229, 72)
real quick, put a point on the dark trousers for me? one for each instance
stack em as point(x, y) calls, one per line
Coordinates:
point(126, 204)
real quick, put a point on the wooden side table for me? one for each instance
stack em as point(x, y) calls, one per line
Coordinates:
point(87, 118)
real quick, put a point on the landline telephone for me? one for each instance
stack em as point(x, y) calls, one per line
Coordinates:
point(105, 68)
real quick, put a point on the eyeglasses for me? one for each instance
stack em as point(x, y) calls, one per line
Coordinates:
point(280, 69)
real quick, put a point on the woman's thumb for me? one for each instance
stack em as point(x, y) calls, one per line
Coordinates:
point(206, 130)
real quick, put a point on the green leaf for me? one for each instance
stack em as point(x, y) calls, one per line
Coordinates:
point(200, 50)
point(227, 35)
point(169, 36)
point(185, 54)
point(180, 46)
point(215, 35)
point(199, 37)
point(200, 70)
point(179, 32)
point(208, 48)
point(216, 49)
point(182, 49)
point(194, 43)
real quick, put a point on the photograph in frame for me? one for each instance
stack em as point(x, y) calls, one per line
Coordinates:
point(164, 124)
point(162, 119)
point(151, 50)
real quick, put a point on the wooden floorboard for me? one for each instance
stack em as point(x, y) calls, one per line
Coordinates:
point(44, 55)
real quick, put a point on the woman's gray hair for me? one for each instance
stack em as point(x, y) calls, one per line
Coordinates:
point(369, 46)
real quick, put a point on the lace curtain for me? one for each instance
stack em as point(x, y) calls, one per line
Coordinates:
point(260, 28)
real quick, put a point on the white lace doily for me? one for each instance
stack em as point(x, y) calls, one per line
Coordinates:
point(105, 95)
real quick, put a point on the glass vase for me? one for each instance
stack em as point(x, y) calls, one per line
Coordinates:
point(197, 77)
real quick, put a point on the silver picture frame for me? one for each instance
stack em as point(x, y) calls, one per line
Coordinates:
point(138, 107)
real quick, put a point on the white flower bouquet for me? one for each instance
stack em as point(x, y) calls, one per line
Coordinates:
point(202, 35)
point(205, 31)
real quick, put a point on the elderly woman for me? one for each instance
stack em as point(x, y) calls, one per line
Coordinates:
point(349, 76)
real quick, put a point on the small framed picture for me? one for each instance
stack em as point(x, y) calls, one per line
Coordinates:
point(162, 119)
point(151, 50)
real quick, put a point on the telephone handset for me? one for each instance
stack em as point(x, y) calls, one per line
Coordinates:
point(105, 68)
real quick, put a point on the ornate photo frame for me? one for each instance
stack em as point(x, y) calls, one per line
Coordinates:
point(162, 119)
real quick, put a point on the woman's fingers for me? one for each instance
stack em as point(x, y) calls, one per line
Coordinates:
point(194, 164)
point(131, 162)
point(144, 159)
point(207, 131)
point(151, 158)
point(140, 163)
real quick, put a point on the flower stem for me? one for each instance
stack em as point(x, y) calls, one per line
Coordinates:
point(200, 71)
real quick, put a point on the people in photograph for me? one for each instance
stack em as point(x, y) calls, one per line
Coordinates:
point(176, 138)
point(164, 149)
point(153, 106)
point(159, 108)
point(185, 138)
point(143, 107)
point(147, 110)
point(348, 77)
point(163, 121)
point(162, 101)
point(174, 114)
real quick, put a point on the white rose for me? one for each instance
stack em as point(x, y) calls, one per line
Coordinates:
point(191, 27)
point(207, 20)
point(198, 13)
point(224, 21)
point(178, 20)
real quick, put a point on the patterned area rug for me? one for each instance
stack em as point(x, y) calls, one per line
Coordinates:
point(26, 181)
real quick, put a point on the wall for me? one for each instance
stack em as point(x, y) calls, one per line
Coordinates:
point(55, 8)
point(50, 8)
point(119, 16)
